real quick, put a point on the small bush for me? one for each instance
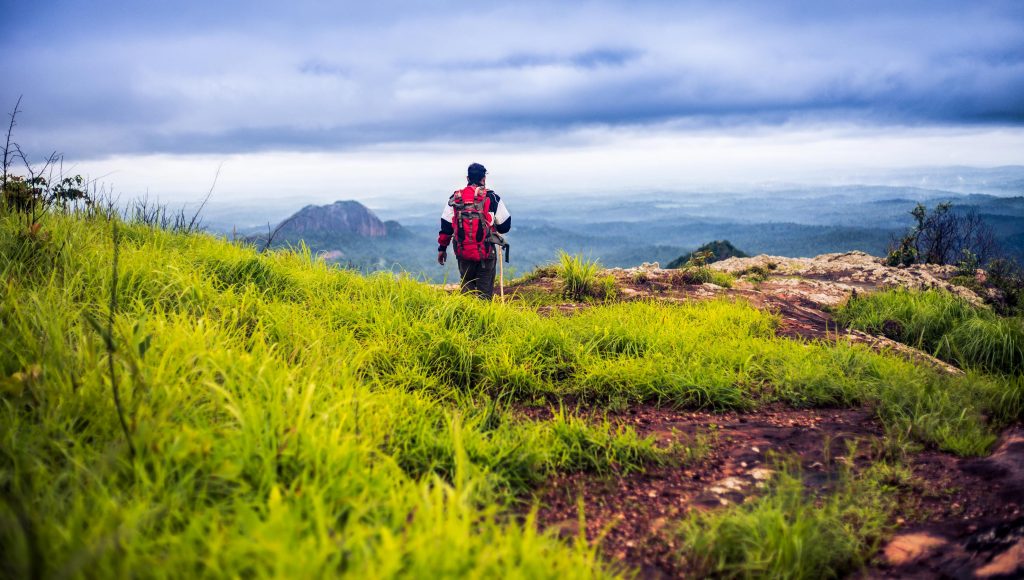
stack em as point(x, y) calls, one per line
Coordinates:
point(755, 273)
point(546, 271)
point(700, 275)
point(1007, 276)
point(579, 276)
point(942, 236)
point(723, 279)
point(691, 276)
point(606, 288)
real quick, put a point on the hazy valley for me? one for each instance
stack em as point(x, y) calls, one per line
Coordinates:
point(628, 230)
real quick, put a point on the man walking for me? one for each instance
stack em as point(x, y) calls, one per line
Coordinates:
point(469, 220)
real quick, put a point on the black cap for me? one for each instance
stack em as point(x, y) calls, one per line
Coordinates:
point(475, 173)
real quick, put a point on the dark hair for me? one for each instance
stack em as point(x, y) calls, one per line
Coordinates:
point(476, 174)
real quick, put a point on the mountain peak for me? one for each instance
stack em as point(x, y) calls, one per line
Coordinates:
point(341, 218)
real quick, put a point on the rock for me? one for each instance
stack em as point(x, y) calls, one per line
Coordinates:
point(908, 548)
point(727, 485)
point(846, 271)
point(1009, 563)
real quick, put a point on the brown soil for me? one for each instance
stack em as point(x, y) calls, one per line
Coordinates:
point(636, 512)
point(972, 505)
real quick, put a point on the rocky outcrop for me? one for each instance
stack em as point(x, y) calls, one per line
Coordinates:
point(341, 218)
point(849, 271)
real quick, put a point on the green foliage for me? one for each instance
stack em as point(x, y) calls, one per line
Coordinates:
point(968, 264)
point(904, 253)
point(755, 274)
point(970, 282)
point(579, 276)
point(1007, 277)
point(606, 288)
point(281, 428)
point(701, 275)
point(540, 272)
point(941, 323)
point(790, 534)
point(723, 279)
point(987, 342)
point(690, 276)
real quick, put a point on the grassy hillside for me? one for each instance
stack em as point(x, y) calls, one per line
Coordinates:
point(283, 418)
point(943, 324)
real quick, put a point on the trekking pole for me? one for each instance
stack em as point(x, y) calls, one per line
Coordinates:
point(500, 247)
point(501, 278)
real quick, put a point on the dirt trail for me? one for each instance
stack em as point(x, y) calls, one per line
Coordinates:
point(979, 533)
point(636, 512)
point(960, 518)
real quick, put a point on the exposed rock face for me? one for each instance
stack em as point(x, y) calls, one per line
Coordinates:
point(341, 218)
point(851, 270)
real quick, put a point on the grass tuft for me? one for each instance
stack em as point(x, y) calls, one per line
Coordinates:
point(578, 275)
point(944, 324)
point(789, 533)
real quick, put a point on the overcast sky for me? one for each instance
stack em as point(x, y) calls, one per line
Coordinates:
point(366, 99)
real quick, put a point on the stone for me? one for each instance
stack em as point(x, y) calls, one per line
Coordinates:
point(1009, 563)
point(908, 548)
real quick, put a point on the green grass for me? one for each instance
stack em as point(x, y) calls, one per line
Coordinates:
point(291, 419)
point(701, 275)
point(578, 275)
point(944, 324)
point(542, 271)
point(789, 533)
point(280, 428)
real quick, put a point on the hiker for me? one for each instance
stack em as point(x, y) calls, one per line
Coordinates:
point(472, 216)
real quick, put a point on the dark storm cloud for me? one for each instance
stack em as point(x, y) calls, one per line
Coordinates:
point(101, 78)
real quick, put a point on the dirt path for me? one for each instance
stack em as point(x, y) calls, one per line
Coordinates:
point(958, 517)
point(976, 530)
point(635, 512)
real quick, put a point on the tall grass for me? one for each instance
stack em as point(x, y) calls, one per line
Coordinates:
point(701, 275)
point(578, 275)
point(789, 533)
point(269, 442)
point(944, 324)
point(290, 419)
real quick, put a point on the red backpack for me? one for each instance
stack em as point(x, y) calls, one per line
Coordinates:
point(472, 223)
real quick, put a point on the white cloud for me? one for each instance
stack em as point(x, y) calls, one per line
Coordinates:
point(600, 160)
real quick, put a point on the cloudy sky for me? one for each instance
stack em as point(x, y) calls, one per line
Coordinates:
point(324, 100)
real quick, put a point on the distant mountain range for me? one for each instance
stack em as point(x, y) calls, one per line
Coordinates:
point(618, 233)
